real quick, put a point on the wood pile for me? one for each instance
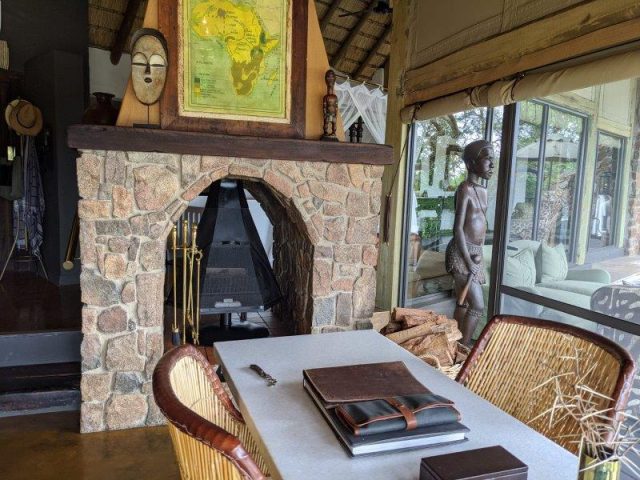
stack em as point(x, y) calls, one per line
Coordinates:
point(428, 335)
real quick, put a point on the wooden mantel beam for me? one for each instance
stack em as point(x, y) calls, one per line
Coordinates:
point(125, 29)
point(372, 53)
point(98, 137)
point(353, 34)
point(329, 14)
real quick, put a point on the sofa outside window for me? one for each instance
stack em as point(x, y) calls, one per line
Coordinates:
point(547, 274)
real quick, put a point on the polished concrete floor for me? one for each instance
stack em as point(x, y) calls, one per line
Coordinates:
point(49, 447)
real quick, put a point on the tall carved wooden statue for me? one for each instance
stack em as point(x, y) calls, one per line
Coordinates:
point(330, 108)
point(464, 253)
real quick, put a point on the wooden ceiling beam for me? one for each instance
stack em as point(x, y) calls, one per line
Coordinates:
point(329, 14)
point(372, 53)
point(126, 25)
point(346, 44)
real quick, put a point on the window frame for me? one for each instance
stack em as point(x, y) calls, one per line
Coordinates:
point(508, 152)
point(580, 164)
point(505, 190)
point(616, 227)
point(409, 178)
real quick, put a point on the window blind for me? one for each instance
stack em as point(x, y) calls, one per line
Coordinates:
point(613, 68)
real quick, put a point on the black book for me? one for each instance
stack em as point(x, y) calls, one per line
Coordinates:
point(391, 441)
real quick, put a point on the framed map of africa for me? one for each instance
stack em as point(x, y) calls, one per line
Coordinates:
point(235, 66)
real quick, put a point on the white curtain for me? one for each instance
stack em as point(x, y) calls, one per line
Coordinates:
point(357, 100)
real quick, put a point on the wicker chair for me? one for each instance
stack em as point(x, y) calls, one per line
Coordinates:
point(516, 354)
point(209, 435)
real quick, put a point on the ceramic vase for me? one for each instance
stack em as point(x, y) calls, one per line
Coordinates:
point(103, 112)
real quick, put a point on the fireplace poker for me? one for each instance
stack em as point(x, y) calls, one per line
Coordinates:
point(185, 247)
point(197, 312)
point(190, 309)
point(175, 331)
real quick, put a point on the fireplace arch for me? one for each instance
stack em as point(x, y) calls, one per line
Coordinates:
point(129, 202)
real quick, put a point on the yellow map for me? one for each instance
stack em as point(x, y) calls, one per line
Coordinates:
point(235, 58)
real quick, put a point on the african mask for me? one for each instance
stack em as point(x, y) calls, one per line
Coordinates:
point(148, 64)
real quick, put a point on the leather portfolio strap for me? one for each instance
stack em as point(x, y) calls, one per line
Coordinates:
point(408, 415)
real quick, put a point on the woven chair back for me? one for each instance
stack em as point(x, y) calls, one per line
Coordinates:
point(514, 355)
point(209, 435)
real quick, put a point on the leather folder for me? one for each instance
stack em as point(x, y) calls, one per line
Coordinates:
point(397, 413)
point(357, 383)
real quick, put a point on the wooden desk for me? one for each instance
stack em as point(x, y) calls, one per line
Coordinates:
point(298, 443)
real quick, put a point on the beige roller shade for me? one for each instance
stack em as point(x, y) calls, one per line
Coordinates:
point(535, 85)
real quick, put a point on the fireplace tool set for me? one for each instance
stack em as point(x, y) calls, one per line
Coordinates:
point(191, 257)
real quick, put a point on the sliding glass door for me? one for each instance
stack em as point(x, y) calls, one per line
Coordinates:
point(436, 169)
point(605, 196)
point(550, 153)
point(563, 241)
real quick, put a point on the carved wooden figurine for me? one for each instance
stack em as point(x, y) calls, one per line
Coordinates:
point(330, 108)
point(464, 252)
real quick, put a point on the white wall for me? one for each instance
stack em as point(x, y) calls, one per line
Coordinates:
point(105, 77)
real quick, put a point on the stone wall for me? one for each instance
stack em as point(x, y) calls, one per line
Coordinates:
point(129, 201)
point(293, 256)
point(632, 236)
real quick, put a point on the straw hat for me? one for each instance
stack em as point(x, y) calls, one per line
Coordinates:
point(23, 117)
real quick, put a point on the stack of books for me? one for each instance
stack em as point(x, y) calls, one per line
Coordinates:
point(381, 407)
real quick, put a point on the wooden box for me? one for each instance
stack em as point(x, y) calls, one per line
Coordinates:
point(479, 464)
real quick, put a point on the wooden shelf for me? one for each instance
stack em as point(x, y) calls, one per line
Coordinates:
point(98, 137)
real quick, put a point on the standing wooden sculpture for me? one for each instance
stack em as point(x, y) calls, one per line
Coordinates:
point(330, 108)
point(464, 252)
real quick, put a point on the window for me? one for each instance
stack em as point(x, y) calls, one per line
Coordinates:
point(549, 154)
point(569, 226)
point(571, 234)
point(436, 170)
point(607, 184)
point(572, 240)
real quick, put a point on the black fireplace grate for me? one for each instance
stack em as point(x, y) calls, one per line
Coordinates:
point(236, 270)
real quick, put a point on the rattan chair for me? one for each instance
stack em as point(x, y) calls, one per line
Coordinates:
point(516, 354)
point(209, 435)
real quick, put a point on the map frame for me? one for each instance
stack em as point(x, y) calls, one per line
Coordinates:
point(174, 116)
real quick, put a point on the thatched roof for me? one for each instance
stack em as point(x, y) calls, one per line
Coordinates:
point(357, 44)
point(105, 18)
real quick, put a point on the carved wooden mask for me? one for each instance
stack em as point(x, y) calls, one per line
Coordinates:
point(148, 65)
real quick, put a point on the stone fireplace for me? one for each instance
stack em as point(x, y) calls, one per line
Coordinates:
point(325, 215)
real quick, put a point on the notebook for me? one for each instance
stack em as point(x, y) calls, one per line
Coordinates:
point(354, 387)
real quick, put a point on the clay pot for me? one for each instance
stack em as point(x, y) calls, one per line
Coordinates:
point(103, 112)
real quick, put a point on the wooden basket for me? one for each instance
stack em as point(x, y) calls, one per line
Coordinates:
point(462, 352)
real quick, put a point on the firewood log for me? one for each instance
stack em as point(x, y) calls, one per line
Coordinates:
point(435, 345)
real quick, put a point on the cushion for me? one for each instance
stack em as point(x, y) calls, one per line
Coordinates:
point(551, 263)
point(534, 245)
point(431, 264)
point(520, 269)
point(573, 286)
point(487, 252)
point(571, 298)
